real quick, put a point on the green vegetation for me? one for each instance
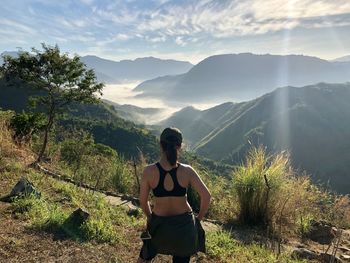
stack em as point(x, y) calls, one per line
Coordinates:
point(107, 155)
point(26, 125)
point(49, 214)
point(100, 120)
point(258, 182)
point(96, 164)
point(310, 122)
point(221, 246)
point(62, 80)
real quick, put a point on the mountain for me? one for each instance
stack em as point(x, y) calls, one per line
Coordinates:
point(343, 59)
point(311, 122)
point(111, 71)
point(140, 69)
point(196, 124)
point(137, 114)
point(239, 77)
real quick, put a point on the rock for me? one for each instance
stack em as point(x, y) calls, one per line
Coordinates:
point(321, 232)
point(76, 219)
point(303, 253)
point(22, 188)
point(325, 257)
point(133, 211)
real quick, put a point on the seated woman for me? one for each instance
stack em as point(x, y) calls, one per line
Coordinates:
point(173, 229)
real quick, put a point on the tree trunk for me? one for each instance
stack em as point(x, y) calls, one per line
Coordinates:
point(46, 134)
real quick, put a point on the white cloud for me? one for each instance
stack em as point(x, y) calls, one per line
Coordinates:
point(180, 41)
point(233, 18)
point(14, 25)
point(122, 37)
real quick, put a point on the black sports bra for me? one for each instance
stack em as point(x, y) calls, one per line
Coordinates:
point(160, 191)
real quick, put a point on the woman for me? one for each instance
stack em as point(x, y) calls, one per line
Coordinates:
point(171, 225)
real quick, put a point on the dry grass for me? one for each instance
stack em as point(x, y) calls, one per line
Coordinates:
point(269, 191)
point(9, 149)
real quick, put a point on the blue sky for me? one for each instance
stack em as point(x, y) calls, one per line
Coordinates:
point(184, 29)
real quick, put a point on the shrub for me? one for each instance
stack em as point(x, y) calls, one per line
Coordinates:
point(74, 150)
point(99, 230)
point(122, 178)
point(257, 182)
point(26, 124)
point(96, 164)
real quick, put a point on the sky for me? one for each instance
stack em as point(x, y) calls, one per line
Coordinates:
point(184, 29)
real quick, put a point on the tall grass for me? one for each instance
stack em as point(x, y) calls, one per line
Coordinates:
point(97, 165)
point(257, 182)
point(270, 193)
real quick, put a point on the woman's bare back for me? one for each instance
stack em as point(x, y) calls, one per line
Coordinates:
point(170, 205)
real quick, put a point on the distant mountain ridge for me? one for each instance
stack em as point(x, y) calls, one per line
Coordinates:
point(342, 59)
point(134, 70)
point(140, 69)
point(312, 122)
point(136, 114)
point(239, 77)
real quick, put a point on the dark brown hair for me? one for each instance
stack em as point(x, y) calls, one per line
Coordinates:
point(169, 140)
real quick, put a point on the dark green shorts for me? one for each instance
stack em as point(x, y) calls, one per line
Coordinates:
point(180, 235)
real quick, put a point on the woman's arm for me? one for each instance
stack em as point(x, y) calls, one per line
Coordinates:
point(198, 185)
point(144, 193)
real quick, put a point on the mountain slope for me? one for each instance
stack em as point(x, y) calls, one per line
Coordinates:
point(311, 122)
point(196, 124)
point(238, 77)
point(131, 70)
point(137, 114)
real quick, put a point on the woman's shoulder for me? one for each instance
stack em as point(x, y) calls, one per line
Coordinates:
point(186, 167)
point(150, 168)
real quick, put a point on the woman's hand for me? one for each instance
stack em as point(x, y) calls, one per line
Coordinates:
point(199, 218)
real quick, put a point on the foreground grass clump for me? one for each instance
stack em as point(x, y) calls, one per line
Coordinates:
point(268, 191)
point(257, 182)
point(221, 246)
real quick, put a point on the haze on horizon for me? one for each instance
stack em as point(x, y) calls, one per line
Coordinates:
point(182, 30)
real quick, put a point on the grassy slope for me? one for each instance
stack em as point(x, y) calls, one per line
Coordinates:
point(21, 241)
point(35, 235)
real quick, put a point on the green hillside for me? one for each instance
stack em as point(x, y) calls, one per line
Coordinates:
point(101, 120)
point(311, 122)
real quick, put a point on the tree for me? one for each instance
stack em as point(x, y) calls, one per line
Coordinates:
point(60, 79)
